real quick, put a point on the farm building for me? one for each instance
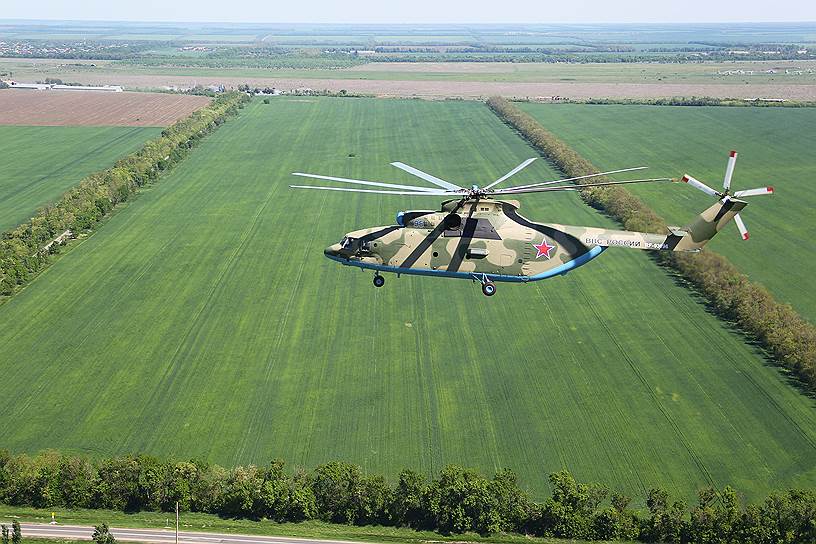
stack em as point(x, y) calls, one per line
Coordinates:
point(50, 86)
point(109, 88)
point(33, 86)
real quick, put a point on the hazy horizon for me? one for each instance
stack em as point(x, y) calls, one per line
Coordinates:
point(390, 23)
point(519, 12)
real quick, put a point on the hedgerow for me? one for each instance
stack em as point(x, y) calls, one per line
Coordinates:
point(788, 338)
point(457, 500)
point(26, 249)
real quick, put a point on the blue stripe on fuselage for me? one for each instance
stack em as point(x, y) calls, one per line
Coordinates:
point(563, 269)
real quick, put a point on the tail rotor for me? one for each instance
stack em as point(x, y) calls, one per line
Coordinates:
point(725, 195)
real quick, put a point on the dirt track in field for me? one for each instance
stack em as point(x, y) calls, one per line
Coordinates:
point(471, 89)
point(94, 108)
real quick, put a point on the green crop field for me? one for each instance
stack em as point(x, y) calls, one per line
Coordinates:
point(203, 320)
point(775, 148)
point(41, 163)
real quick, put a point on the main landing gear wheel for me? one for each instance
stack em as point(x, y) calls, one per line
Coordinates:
point(379, 281)
point(488, 287)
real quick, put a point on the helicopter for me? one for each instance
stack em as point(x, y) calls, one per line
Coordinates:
point(477, 236)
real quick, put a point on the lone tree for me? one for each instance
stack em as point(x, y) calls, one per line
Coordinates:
point(16, 532)
point(101, 535)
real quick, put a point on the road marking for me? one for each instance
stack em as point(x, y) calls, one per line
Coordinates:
point(165, 536)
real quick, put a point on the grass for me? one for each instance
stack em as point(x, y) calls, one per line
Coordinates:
point(203, 320)
point(775, 147)
point(211, 523)
point(41, 163)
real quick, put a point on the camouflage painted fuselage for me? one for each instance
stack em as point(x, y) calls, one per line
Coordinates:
point(489, 238)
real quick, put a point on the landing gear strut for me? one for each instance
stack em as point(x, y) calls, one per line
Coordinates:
point(379, 281)
point(488, 287)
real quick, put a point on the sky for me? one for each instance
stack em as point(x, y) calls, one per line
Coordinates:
point(414, 11)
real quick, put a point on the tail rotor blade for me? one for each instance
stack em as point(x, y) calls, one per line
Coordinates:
point(729, 170)
point(699, 185)
point(755, 192)
point(741, 226)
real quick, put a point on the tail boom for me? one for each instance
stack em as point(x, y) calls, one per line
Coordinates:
point(690, 238)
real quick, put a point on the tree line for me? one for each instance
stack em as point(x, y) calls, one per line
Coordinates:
point(789, 338)
point(703, 101)
point(82, 207)
point(457, 500)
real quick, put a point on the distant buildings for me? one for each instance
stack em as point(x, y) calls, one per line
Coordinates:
point(790, 72)
point(55, 86)
point(33, 86)
point(109, 88)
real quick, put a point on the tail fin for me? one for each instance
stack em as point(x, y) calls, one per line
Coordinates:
point(708, 223)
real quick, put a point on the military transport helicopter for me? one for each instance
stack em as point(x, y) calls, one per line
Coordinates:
point(475, 236)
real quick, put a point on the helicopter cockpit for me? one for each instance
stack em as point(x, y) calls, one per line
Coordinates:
point(352, 246)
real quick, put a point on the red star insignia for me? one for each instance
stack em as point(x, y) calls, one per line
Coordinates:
point(543, 249)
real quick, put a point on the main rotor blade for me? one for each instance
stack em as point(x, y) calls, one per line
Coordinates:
point(699, 185)
point(741, 226)
point(579, 177)
point(517, 190)
point(416, 193)
point(427, 177)
point(365, 182)
point(512, 172)
point(729, 170)
point(755, 192)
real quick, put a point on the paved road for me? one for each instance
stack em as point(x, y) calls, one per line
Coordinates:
point(162, 536)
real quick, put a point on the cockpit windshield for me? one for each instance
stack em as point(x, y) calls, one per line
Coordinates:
point(346, 242)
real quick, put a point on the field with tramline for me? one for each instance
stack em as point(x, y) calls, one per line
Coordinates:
point(203, 321)
point(41, 163)
point(775, 148)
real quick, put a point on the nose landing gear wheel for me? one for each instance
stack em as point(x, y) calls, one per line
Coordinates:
point(489, 288)
point(379, 281)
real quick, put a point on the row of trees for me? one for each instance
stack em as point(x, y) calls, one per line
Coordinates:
point(457, 500)
point(82, 207)
point(783, 332)
point(703, 101)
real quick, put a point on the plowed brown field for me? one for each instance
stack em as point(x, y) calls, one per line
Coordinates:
point(94, 108)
